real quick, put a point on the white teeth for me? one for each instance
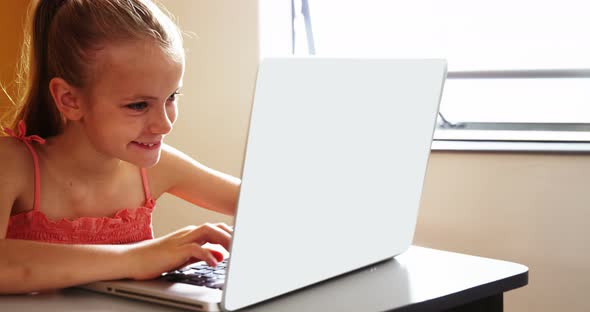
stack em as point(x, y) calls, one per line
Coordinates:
point(146, 144)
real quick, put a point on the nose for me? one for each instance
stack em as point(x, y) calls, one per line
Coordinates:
point(160, 122)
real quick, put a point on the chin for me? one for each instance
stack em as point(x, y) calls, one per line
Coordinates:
point(143, 162)
point(148, 163)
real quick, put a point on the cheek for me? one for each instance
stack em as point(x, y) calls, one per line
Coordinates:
point(172, 112)
point(110, 123)
point(106, 132)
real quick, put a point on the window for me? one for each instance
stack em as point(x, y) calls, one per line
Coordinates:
point(518, 70)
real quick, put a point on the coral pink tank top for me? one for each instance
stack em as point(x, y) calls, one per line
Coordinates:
point(126, 226)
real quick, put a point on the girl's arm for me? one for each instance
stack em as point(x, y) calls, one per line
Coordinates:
point(27, 266)
point(194, 182)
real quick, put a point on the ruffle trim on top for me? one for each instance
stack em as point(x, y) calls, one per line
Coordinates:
point(126, 226)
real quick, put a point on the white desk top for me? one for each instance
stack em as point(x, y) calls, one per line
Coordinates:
point(418, 278)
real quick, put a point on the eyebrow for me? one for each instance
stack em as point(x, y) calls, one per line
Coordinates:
point(146, 97)
point(140, 97)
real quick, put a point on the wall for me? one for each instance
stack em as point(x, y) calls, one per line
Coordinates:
point(12, 14)
point(522, 207)
point(215, 107)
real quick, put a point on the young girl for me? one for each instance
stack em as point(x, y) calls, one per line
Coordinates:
point(85, 160)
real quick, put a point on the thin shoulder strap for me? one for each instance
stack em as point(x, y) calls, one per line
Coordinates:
point(22, 130)
point(146, 187)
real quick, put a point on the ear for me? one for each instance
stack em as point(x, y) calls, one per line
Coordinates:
point(66, 98)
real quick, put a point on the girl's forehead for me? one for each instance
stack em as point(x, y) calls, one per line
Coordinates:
point(142, 65)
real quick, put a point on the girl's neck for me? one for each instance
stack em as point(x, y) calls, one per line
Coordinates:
point(72, 154)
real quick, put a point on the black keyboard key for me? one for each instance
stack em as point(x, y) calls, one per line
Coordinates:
point(199, 274)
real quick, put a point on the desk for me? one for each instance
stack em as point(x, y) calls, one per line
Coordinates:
point(420, 279)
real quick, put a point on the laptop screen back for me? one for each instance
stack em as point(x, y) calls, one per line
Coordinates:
point(334, 167)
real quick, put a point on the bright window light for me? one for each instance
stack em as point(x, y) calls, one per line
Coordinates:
point(482, 36)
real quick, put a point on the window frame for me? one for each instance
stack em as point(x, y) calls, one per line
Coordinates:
point(464, 135)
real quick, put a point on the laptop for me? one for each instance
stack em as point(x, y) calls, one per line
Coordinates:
point(333, 171)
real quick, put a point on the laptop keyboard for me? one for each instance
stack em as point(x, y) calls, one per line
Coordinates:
point(199, 274)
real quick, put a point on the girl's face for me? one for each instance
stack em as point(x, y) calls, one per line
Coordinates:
point(132, 103)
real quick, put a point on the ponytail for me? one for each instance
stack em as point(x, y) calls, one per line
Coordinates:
point(39, 113)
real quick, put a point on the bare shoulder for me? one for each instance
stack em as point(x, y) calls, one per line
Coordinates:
point(169, 168)
point(172, 154)
point(16, 161)
point(16, 167)
point(170, 159)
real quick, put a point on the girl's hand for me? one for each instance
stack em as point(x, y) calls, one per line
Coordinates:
point(149, 259)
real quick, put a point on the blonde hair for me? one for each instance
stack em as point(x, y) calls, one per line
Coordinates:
point(61, 41)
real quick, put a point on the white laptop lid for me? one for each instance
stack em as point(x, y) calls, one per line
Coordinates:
point(333, 172)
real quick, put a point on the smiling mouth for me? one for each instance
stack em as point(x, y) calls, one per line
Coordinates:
point(145, 144)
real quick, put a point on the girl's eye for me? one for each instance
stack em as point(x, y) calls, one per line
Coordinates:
point(138, 106)
point(173, 96)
